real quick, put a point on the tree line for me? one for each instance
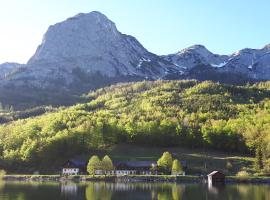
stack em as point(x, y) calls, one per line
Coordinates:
point(165, 165)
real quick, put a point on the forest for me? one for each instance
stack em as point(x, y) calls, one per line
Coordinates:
point(185, 113)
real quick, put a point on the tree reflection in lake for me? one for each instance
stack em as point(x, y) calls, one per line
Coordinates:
point(131, 191)
point(98, 191)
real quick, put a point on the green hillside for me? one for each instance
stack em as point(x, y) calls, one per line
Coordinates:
point(186, 114)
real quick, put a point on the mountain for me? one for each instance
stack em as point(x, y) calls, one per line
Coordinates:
point(6, 69)
point(74, 52)
point(196, 55)
point(87, 51)
point(200, 63)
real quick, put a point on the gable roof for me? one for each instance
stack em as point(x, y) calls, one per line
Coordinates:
point(77, 163)
point(135, 163)
point(214, 173)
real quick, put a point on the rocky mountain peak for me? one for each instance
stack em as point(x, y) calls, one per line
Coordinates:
point(267, 47)
point(88, 44)
point(198, 49)
point(94, 17)
point(81, 35)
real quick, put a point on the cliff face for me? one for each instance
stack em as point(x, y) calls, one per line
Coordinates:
point(87, 51)
point(89, 45)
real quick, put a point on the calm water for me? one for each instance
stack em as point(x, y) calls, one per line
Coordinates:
point(132, 191)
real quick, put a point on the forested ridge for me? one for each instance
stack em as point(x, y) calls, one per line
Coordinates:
point(161, 113)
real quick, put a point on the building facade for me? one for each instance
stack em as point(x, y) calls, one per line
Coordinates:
point(131, 168)
point(216, 177)
point(70, 171)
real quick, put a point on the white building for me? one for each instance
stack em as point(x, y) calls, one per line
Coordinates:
point(116, 172)
point(70, 171)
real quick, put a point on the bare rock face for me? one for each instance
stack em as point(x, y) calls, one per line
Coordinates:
point(91, 42)
point(6, 69)
point(252, 64)
point(196, 55)
point(87, 51)
point(88, 45)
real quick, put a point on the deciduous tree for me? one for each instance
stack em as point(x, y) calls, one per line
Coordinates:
point(93, 165)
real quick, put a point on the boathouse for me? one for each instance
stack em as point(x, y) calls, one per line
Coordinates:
point(216, 177)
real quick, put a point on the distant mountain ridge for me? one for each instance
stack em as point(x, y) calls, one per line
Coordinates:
point(87, 51)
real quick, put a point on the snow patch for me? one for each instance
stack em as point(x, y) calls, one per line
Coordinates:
point(146, 59)
point(143, 60)
point(219, 65)
point(181, 72)
point(180, 66)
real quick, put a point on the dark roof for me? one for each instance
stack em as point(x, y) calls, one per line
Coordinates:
point(77, 163)
point(183, 163)
point(215, 172)
point(135, 163)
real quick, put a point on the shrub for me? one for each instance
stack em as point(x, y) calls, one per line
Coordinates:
point(243, 174)
point(2, 173)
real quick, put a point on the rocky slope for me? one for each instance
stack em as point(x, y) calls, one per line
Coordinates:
point(6, 69)
point(85, 45)
point(249, 64)
point(87, 51)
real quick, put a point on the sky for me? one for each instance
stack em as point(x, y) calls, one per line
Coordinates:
point(162, 26)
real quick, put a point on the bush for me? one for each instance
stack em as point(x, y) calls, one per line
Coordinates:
point(243, 174)
point(2, 173)
point(229, 166)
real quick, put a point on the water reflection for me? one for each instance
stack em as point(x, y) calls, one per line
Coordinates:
point(216, 188)
point(131, 191)
point(98, 191)
point(108, 191)
point(69, 189)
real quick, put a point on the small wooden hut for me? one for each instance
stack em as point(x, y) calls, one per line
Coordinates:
point(216, 177)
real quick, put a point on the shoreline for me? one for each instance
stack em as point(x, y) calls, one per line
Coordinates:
point(132, 178)
point(106, 178)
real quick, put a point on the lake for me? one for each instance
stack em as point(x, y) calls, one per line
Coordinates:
point(131, 191)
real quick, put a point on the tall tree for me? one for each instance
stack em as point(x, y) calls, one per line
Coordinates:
point(258, 159)
point(107, 163)
point(177, 168)
point(165, 162)
point(93, 165)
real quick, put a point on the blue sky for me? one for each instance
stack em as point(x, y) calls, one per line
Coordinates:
point(162, 26)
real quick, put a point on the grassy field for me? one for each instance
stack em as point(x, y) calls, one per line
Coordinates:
point(198, 161)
